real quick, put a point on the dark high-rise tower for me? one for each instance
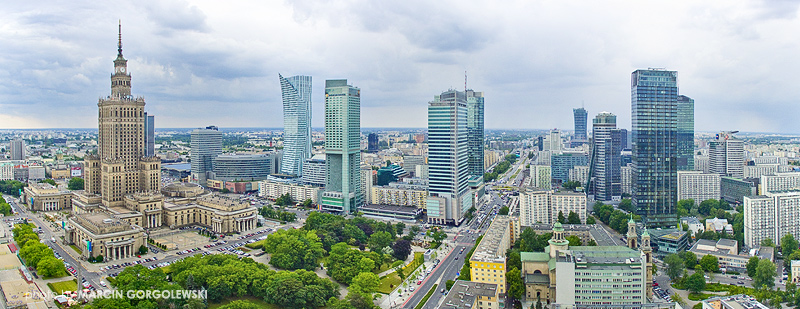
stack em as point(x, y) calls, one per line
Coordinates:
point(685, 133)
point(149, 135)
point(654, 115)
point(580, 136)
point(372, 142)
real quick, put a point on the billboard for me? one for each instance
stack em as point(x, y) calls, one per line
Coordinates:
point(75, 172)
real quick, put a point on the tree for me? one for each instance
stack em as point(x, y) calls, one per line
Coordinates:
point(767, 242)
point(696, 282)
point(561, 218)
point(592, 243)
point(788, 244)
point(571, 185)
point(678, 299)
point(240, 304)
point(709, 263)
point(449, 284)
point(307, 203)
point(516, 287)
point(626, 205)
point(49, 181)
point(573, 218)
point(294, 249)
point(574, 240)
point(675, 266)
point(413, 230)
point(399, 228)
point(142, 249)
point(765, 275)
point(437, 235)
point(50, 267)
point(402, 248)
point(366, 283)
point(689, 259)
point(225, 191)
point(379, 240)
point(752, 264)
point(590, 220)
point(503, 211)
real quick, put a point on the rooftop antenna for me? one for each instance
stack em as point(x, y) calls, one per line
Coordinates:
point(465, 81)
point(119, 44)
point(583, 104)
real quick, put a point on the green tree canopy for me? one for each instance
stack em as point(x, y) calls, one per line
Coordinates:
point(709, 263)
point(696, 282)
point(516, 287)
point(573, 218)
point(765, 275)
point(674, 265)
point(752, 264)
point(788, 244)
point(503, 211)
point(574, 240)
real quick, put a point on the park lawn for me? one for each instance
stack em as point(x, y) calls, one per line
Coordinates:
point(250, 299)
point(74, 247)
point(60, 287)
point(389, 283)
point(700, 296)
point(256, 245)
point(62, 274)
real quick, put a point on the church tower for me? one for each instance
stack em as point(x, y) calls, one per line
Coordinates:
point(632, 237)
point(648, 254)
point(559, 241)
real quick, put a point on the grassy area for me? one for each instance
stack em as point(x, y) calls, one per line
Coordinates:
point(111, 281)
point(252, 300)
point(256, 245)
point(62, 274)
point(60, 287)
point(74, 247)
point(419, 258)
point(389, 283)
point(427, 296)
point(699, 296)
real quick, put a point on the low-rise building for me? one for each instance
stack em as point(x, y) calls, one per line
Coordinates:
point(733, 190)
point(694, 225)
point(471, 295)
point(795, 271)
point(580, 230)
point(399, 195)
point(391, 211)
point(46, 197)
point(101, 234)
point(719, 225)
point(740, 301)
point(725, 250)
point(666, 241)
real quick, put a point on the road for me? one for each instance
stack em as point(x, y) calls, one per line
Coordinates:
point(605, 236)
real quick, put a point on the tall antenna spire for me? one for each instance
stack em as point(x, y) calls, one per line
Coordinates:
point(119, 44)
point(465, 81)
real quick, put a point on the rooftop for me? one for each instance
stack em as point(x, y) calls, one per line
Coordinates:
point(488, 250)
point(463, 294)
point(740, 301)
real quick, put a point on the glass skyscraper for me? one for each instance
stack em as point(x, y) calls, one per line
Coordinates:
point(149, 135)
point(296, 94)
point(685, 133)
point(580, 116)
point(606, 157)
point(654, 115)
point(342, 147)
point(206, 146)
point(448, 163)
point(475, 132)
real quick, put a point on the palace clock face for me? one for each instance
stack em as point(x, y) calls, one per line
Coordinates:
point(121, 69)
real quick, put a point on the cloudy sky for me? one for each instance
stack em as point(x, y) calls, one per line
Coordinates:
point(217, 62)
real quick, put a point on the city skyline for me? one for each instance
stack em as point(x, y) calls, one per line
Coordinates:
point(200, 68)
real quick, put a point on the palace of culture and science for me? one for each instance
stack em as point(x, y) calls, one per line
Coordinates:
point(123, 202)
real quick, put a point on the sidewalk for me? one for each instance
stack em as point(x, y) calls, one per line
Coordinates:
point(394, 299)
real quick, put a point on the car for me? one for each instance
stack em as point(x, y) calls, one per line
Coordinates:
point(655, 284)
point(442, 290)
point(103, 283)
point(418, 282)
point(740, 282)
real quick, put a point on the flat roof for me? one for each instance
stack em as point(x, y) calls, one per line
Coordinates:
point(464, 293)
point(488, 250)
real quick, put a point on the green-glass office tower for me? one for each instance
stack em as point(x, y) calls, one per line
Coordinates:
point(342, 147)
point(448, 163)
point(654, 115)
point(475, 132)
point(685, 133)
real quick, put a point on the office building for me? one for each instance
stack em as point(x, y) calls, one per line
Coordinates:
point(725, 250)
point(120, 168)
point(410, 163)
point(667, 241)
point(541, 177)
point(6, 170)
point(701, 163)
point(605, 158)
point(726, 155)
point(579, 173)
point(553, 142)
point(698, 186)
point(149, 135)
point(624, 137)
point(772, 216)
point(314, 171)
point(388, 174)
point(540, 142)
point(448, 158)
point(475, 132)
point(565, 161)
point(543, 206)
point(206, 146)
point(734, 190)
point(342, 147)
point(580, 116)
point(234, 167)
point(372, 142)
point(654, 96)
point(17, 148)
point(685, 133)
point(626, 179)
point(296, 96)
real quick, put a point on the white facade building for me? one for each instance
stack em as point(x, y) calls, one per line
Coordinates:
point(543, 206)
point(698, 186)
point(771, 216)
point(626, 177)
point(579, 173)
point(298, 193)
point(726, 156)
point(780, 182)
point(541, 176)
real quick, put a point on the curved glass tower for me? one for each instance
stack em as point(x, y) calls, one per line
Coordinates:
point(296, 94)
